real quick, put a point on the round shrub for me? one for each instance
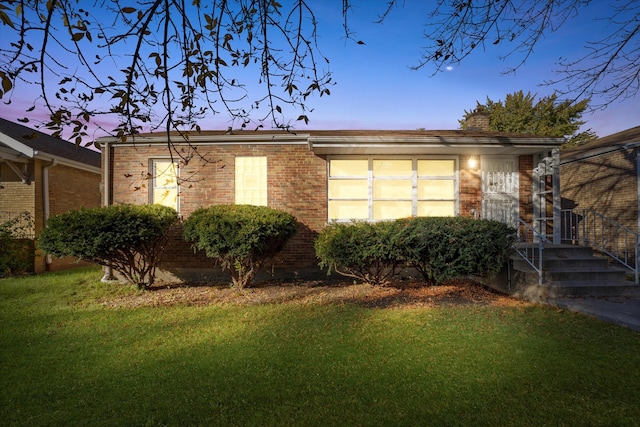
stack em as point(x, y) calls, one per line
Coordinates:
point(130, 238)
point(241, 238)
point(443, 248)
point(367, 251)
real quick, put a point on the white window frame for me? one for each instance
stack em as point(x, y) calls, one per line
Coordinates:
point(414, 181)
point(153, 179)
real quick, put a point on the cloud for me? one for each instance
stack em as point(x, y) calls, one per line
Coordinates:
point(449, 68)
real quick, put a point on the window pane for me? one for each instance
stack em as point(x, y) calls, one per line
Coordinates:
point(166, 197)
point(165, 183)
point(358, 167)
point(164, 174)
point(392, 167)
point(391, 209)
point(348, 189)
point(392, 189)
point(251, 181)
point(348, 209)
point(436, 208)
point(436, 167)
point(436, 189)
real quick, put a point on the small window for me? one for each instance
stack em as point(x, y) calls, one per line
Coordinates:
point(251, 181)
point(165, 183)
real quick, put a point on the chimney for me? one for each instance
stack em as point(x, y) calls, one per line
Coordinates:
point(478, 120)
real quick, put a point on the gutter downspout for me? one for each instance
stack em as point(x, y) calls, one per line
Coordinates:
point(46, 205)
point(106, 195)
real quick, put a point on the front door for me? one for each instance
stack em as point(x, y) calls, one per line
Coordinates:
point(500, 189)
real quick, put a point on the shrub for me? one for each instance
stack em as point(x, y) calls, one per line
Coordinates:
point(130, 238)
point(241, 238)
point(445, 248)
point(366, 251)
point(16, 247)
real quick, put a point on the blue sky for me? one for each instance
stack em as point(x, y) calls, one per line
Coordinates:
point(376, 89)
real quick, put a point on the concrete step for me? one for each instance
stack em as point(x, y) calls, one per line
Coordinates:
point(556, 262)
point(563, 250)
point(570, 271)
point(568, 289)
point(585, 274)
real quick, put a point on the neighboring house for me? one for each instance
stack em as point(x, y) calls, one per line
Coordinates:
point(603, 176)
point(44, 176)
point(324, 176)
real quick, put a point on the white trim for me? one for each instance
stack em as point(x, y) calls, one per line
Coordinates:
point(18, 146)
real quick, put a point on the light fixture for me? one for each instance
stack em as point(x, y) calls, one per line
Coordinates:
point(473, 163)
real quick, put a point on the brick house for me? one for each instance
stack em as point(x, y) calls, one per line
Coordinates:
point(44, 176)
point(603, 175)
point(323, 176)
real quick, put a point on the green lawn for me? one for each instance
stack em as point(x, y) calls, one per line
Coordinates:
point(66, 360)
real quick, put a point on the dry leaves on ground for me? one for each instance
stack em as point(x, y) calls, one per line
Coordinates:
point(405, 294)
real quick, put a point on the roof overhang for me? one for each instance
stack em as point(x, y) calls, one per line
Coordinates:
point(10, 153)
point(387, 144)
point(595, 152)
point(17, 146)
point(220, 139)
point(432, 145)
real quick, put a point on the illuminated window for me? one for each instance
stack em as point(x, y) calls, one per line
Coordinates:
point(165, 183)
point(390, 188)
point(251, 181)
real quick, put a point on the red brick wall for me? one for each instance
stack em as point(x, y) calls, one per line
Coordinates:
point(606, 183)
point(470, 188)
point(525, 170)
point(297, 181)
point(296, 184)
point(71, 188)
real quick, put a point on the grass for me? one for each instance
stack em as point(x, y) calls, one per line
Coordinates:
point(67, 360)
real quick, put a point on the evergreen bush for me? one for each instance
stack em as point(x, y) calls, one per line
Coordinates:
point(129, 238)
point(366, 251)
point(240, 238)
point(443, 248)
point(16, 245)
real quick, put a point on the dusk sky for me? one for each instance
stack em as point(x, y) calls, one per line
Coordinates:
point(376, 89)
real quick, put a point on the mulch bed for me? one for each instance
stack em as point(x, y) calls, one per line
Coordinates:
point(405, 294)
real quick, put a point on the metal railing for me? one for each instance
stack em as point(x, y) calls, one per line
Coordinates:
point(530, 245)
point(587, 227)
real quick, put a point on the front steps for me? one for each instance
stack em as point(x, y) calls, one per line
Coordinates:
point(569, 271)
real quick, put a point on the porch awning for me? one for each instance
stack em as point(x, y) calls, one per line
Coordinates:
point(454, 142)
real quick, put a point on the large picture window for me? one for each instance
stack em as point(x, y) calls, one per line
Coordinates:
point(165, 183)
point(389, 188)
point(251, 181)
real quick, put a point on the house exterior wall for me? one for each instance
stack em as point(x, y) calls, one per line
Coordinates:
point(606, 183)
point(297, 183)
point(15, 196)
point(525, 171)
point(69, 188)
point(470, 192)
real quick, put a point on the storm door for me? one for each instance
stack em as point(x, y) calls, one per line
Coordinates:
point(500, 189)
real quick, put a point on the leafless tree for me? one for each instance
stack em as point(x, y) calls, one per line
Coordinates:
point(608, 71)
point(166, 64)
